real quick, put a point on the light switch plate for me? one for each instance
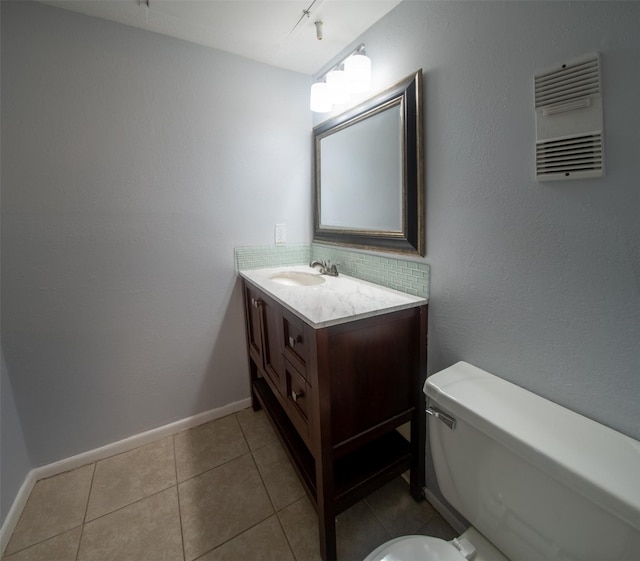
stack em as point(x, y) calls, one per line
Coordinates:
point(280, 234)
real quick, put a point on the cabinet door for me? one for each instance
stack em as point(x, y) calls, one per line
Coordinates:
point(272, 343)
point(253, 304)
point(264, 334)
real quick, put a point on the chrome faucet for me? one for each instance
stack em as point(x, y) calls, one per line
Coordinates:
point(326, 268)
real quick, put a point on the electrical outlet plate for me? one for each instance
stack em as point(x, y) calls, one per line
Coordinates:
point(280, 234)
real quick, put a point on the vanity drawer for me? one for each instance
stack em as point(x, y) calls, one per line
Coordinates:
point(296, 348)
point(298, 400)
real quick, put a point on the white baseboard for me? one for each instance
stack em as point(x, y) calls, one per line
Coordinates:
point(103, 452)
point(445, 512)
point(139, 439)
point(16, 509)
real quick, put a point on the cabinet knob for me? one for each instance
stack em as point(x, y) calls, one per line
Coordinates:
point(295, 395)
point(255, 303)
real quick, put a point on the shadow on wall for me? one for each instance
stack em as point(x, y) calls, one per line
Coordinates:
point(227, 370)
point(14, 457)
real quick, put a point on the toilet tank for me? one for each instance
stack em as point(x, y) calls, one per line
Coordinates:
point(538, 480)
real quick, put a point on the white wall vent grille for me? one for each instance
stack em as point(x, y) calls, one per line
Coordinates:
point(579, 156)
point(569, 123)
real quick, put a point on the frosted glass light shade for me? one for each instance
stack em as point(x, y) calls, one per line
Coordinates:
point(358, 73)
point(320, 101)
point(336, 80)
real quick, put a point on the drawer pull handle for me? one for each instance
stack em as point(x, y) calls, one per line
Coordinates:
point(294, 340)
point(255, 303)
point(295, 395)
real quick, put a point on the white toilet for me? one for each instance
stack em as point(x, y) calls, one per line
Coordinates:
point(537, 481)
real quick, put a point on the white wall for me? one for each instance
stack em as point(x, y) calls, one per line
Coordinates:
point(14, 458)
point(536, 282)
point(133, 164)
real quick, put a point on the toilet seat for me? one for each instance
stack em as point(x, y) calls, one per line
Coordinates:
point(471, 545)
point(416, 548)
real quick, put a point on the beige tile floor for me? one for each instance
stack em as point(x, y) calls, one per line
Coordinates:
point(223, 491)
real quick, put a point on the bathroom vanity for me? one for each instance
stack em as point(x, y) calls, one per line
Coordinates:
point(338, 365)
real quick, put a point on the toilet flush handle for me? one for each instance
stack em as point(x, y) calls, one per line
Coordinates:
point(444, 417)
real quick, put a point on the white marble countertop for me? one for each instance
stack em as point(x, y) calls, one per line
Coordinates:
point(338, 300)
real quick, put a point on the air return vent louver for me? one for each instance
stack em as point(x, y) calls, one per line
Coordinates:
point(569, 124)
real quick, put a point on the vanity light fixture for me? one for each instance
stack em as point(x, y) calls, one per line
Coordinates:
point(352, 75)
point(358, 70)
point(320, 99)
point(336, 81)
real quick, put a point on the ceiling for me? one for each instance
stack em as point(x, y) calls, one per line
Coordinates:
point(275, 32)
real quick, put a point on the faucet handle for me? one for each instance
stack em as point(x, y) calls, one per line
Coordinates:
point(321, 264)
point(326, 268)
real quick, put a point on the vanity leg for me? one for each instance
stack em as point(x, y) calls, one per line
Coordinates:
point(419, 419)
point(253, 376)
point(323, 453)
point(255, 404)
point(418, 450)
point(326, 506)
point(327, 530)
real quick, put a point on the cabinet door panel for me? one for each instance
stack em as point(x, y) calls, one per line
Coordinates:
point(298, 400)
point(264, 335)
point(272, 343)
point(254, 325)
point(295, 342)
point(371, 367)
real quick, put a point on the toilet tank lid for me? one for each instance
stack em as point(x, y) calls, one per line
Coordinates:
point(601, 464)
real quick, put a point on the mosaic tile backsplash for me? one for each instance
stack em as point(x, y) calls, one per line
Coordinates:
point(261, 256)
point(400, 274)
point(407, 276)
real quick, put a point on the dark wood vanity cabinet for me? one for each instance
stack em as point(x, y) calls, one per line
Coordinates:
point(336, 395)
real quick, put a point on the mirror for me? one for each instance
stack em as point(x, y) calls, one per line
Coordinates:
point(369, 189)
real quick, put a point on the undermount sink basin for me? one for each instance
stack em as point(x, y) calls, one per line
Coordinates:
point(297, 278)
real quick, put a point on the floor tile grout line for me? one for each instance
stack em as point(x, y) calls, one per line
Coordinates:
point(181, 481)
point(214, 467)
point(232, 538)
point(244, 433)
point(157, 492)
point(249, 453)
point(378, 519)
point(175, 467)
point(286, 536)
point(252, 452)
point(63, 531)
point(34, 544)
point(275, 510)
point(264, 484)
point(77, 556)
point(86, 510)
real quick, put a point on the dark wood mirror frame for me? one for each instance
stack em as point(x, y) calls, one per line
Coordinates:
point(411, 239)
